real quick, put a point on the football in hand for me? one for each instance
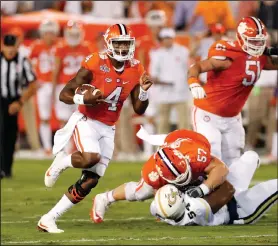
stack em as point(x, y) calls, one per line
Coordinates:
point(92, 95)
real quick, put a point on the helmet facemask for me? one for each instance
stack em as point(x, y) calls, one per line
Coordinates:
point(121, 48)
point(253, 46)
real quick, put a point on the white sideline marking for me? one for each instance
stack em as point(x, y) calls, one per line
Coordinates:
point(79, 220)
point(138, 239)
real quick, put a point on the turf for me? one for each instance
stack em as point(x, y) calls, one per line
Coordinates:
point(24, 199)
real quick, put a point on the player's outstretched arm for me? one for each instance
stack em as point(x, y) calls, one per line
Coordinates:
point(83, 76)
point(139, 94)
point(210, 64)
point(217, 172)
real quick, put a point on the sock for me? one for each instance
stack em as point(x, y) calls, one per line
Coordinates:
point(110, 197)
point(46, 135)
point(61, 207)
point(66, 161)
point(69, 147)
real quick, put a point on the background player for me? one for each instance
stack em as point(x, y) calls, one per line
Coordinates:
point(183, 159)
point(41, 54)
point(117, 75)
point(233, 68)
point(68, 57)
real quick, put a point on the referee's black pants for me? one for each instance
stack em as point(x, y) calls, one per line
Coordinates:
point(8, 131)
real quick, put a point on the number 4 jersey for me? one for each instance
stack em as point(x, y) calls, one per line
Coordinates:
point(115, 87)
point(228, 90)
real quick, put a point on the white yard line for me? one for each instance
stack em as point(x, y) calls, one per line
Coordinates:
point(78, 220)
point(138, 239)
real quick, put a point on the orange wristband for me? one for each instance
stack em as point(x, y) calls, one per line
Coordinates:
point(193, 80)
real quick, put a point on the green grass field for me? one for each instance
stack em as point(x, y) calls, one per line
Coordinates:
point(24, 199)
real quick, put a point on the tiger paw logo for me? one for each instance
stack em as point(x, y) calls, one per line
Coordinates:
point(153, 176)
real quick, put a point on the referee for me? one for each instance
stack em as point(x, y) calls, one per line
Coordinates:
point(16, 74)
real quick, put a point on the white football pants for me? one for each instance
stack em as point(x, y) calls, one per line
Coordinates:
point(225, 134)
point(256, 201)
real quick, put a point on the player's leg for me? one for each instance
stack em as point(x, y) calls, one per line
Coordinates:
point(86, 138)
point(183, 119)
point(164, 110)
point(233, 140)
point(242, 170)
point(44, 108)
point(75, 194)
point(208, 125)
point(256, 201)
point(131, 191)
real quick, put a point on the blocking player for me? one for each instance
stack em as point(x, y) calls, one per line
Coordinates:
point(117, 75)
point(247, 207)
point(182, 160)
point(42, 57)
point(233, 68)
point(68, 57)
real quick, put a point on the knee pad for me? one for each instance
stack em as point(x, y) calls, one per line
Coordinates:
point(83, 186)
point(130, 189)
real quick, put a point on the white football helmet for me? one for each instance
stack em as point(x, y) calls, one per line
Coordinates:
point(169, 202)
point(49, 26)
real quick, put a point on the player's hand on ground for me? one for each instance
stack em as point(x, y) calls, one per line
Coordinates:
point(197, 91)
point(14, 108)
point(145, 81)
point(195, 192)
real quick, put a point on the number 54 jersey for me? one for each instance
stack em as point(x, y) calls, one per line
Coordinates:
point(228, 90)
point(115, 87)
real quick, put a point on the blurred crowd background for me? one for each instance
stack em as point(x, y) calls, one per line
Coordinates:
point(163, 29)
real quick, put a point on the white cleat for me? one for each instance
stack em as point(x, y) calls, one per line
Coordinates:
point(99, 208)
point(47, 224)
point(55, 170)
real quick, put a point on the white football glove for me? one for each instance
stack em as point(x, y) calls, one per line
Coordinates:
point(197, 91)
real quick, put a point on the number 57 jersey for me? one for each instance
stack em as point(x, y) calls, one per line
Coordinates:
point(115, 87)
point(228, 90)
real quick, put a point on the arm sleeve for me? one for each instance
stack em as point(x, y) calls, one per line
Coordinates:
point(28, 72)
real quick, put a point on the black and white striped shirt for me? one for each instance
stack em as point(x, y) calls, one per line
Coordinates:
point(16, 74)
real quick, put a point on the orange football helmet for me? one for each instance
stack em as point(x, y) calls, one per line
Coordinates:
point(119, 42)
point(252, 35)
point(173, 166)
point(74, 33)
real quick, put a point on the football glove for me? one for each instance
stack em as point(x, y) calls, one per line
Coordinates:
point(199, 191)
point(197, 91)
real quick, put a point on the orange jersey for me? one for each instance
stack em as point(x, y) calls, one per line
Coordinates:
point(71, 59)
point(114, 86)
point(228, 90)
point(145, 45)
point(191, 144)
point(43, 54)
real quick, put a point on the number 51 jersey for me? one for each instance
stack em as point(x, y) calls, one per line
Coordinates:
point(228, 90)
point(115, 87)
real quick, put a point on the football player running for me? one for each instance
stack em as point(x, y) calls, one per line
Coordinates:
point(246, 207)
point(233, 68)
point(42, 57)
point(117, 75)
point(183, 159)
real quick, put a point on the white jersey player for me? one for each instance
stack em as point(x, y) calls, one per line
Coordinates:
point(247, 207)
